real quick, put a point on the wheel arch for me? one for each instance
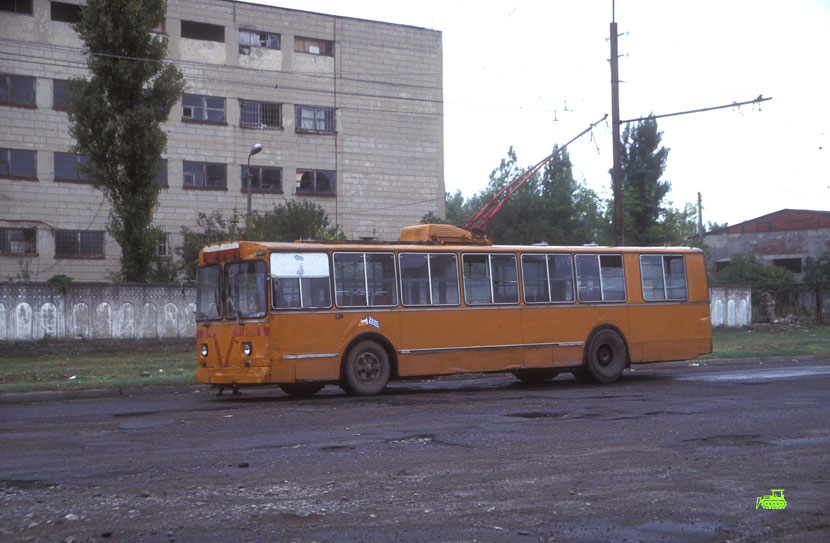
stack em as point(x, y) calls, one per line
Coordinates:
point(381, 340)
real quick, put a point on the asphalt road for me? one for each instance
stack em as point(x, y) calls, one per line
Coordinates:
point(672, 452)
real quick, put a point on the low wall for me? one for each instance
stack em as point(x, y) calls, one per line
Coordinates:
point(32, 312)
point(730, 306)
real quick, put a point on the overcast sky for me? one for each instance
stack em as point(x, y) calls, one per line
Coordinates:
point(534, 73)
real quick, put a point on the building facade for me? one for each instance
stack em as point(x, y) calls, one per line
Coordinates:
point(349, 113)
point(784, 238)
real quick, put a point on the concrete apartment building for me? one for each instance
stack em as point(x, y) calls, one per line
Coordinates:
point(349, 113)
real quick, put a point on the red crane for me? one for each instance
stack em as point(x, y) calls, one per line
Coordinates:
point(477, 224)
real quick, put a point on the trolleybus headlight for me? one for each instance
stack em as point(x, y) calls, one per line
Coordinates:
point(204, 349)
point(246, 349)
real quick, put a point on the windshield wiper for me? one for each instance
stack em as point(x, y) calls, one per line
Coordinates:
point(235, 311)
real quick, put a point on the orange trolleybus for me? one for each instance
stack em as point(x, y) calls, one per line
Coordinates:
point(358, 314)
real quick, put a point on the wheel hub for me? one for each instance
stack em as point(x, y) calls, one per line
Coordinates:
point(367, 367)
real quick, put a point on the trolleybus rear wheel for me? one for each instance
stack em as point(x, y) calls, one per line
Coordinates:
point(301, 390)
point(606, 356)
point(367, 369)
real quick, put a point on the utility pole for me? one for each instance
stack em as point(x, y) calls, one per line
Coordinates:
point(699, 216)
point(616, 169)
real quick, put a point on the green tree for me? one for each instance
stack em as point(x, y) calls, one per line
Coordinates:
point(290, 221)
point(817, 270)
point(643, 164)
point(747, 270)
point(115, 118)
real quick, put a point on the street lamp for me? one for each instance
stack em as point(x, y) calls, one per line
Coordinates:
point(254, 150)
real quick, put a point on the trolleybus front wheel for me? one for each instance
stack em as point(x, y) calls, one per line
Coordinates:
point(367, 369)
point(606, 356)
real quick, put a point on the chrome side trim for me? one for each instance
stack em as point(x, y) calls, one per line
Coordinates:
point(304, 356)
point(491, 347)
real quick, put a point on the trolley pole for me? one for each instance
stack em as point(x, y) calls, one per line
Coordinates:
point(616, 169)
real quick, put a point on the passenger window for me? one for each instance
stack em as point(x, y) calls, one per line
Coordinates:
point(365, 279)
point(547, 278)
point(300, 280)
point(600, 278)
point(663, 277)
point(490, 279)
point(429, 279)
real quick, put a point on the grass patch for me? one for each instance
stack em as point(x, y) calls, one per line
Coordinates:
point(771, 340)
point(98, 370)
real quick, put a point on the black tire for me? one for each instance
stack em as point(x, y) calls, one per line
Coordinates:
point(301, 390)
point(606, 356)
point(535, 376)
point(367, 369)
point(583, 375)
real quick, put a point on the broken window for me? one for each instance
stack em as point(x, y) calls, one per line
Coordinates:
point(315, 182)
point(203, 31)
point(18, 163)
point(205, 175)
point(17, 90)
point(196, 107)
point(79, 244)
point(314, 119)
point(18, 241)
point(261, 115)
point(17, 6)
point(66, 13)
point(69, 167)
point(254, 38)
point(792, 264)
point(313, 46)
point(263, 179)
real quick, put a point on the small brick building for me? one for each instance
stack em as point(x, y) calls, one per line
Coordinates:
point(783, 238)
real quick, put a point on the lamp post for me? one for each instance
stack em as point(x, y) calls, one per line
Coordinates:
point(254, 150)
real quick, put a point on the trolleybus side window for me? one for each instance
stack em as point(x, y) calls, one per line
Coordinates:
point(429, 279)
point(365, 279)
point(245, 285)
point(547, 278)
point(208, 293)
point(490, 278)
point(600, 278)
point(663, 277)
point(300, 281)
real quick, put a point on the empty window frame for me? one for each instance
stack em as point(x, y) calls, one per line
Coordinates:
point(365, 279)
point(547, 278)
point(17, 90)
point(300, 281)
point(79, 244)
point(18, 241)
point(60, 94)
point(490, 279)
point(320, 182)
point(314, 119)
point(69, 167)
point(429, 279)
point(255, 38)
point(263, 179)
point(196, 107)
point(161, 177)
point(203, 31)
point(66, 13)
point(600, 278)
point(18, 163)
point(663, 277)
point(17, 6)
point(313, 46)
point(792, 264)
point(260, 115)
point(205, 175)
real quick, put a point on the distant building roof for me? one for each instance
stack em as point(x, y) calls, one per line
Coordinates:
point(785, 219)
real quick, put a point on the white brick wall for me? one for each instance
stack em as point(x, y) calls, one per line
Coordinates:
point(384, 80)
